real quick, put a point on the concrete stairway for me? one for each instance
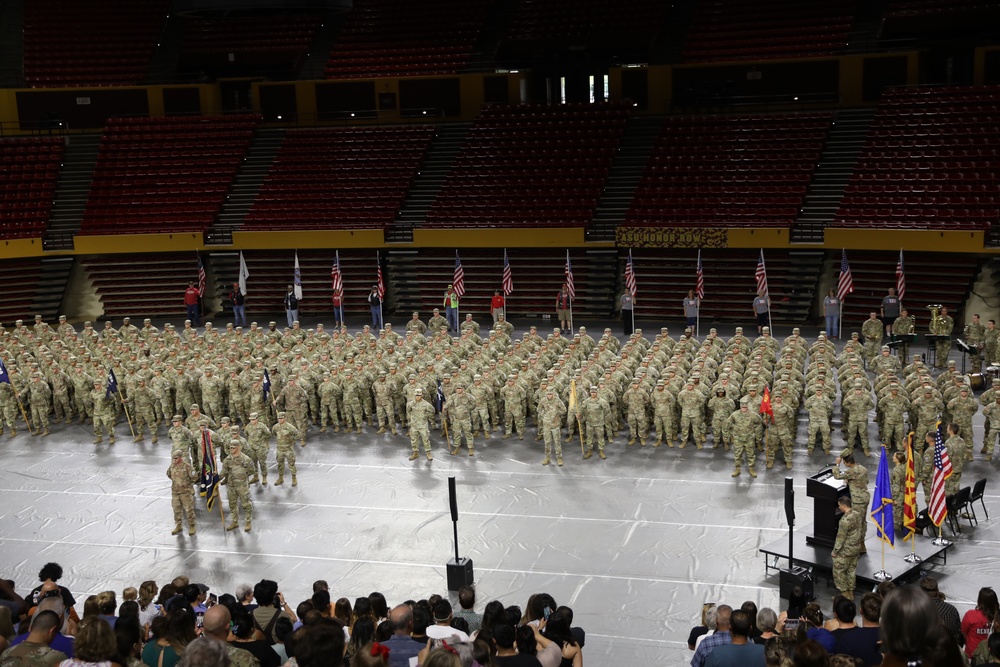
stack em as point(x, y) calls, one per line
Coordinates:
point(437, 163)
point(840, 154)
point(626, 172)
point(52, 281)
point(72, 191)
point(246, 185)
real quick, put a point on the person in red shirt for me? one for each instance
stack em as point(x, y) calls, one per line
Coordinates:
point(191, 303)
point(497, 306)
point(564, 305)
point(977, 624)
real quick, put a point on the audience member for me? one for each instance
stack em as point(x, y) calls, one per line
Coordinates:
point(171, 633)
point(720, 637)
point(320, 645)
point(204, 652)
point(362, 635)
point(60, 642)
point(52, 573)
point(811, 627)
point(767, 622)
point(702, 629)
point(859, 642)
point(912, 633)
point(442, 624)
point(947, 612)
point(741, 651)
point(95, 645)
point(467, 601)
point(243, 636)
point(711, 623)
point(508, 655)
point(401, 646)
point(977, 624)
point(36, 649)
point(810, 653)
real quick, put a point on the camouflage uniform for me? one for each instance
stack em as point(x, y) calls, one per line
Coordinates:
point(820, 409)
point(961, 409)
point(481, 419)
point(975, 336)
point(744, 429)
point(329, 403)
point(104, 413)
point(551, 412)
point(235, 472)
point(212, 389)
point(692, 404)
point(353, 417)
point(857, 483)
point(664, 415)
point(595, 411)
point(513, 401)
point(285, 434)
point(258, 446)
point(846, 550)
point(458, 411)
point(421, 415)
point(783, 432)
point(893, 408)
point(40, 397)
point(296, 402)
point(992, 414)
point(144, 413)
point(857, 405)
point(183, 440)
point(637, 404)
point(721, 407)
point(182, 494)
point(383, 404)
point(958, 451)
point(8, 406)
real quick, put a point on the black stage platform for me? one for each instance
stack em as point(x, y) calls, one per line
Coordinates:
point(818, 557)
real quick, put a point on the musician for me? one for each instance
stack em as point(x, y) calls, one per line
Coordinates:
point(942, 325)
point(990, 342)
point(975, 337)
point(904, 326)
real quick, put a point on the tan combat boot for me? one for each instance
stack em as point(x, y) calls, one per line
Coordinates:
point(295, 481)
point(546, 461)
point(177, 530)
point(233, 526)
point(414, 456)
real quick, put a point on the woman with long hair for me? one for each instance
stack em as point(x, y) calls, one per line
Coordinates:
point(977, 624)
point(362, 635)
point(172, 633)
point(95, 645)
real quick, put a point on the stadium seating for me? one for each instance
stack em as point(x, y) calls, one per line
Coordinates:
point(931, 278)
point(584, 21)
point(144, 285)
point(531, 165)
point(352, 178)
point(165, 174)
point(20, 285)
point(729, 170)
point(723, 30)
point(275, 42)
point(929, 162)
point(29, 169)
point(92, 43)
point(401, 38)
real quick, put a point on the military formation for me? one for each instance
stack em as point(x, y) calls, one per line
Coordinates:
point(235, 390)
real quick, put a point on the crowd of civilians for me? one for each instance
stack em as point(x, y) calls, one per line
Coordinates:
point(183, 624)
point(906, 626)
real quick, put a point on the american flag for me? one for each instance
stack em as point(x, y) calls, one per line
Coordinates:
point(570, 286)
point(381, 282)
point(937, 509)
point(297, 278)
point(699, 279)
point(630, 275)
point(335, 276)
point(458, 282)
point(761, 275)
point(202, 278)
point(900, 277)
point(508, 278)
point(846, 283)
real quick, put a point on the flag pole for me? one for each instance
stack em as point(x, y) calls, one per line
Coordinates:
point(882, 575)
point(697, 320)
point(27, 422)
point(127, 417)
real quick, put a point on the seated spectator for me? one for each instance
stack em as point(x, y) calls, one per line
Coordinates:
point(741, 651)
point(204, 652)
point(91, 608)
point(860, 642)
point(380, 608)
point(36, 650)
point(467, 601)
point(244, 595)
point(52, 573)
point(60, 642)
point(107, 603)
point(750, 607)
point(442, 624)
point(712, 623)
point(703, 629)
point(171, 634)
point(272, 605)
point(371, 655)
point(508, 654)
point(556, 645)
point(401, 646)
point(720, 637)
point(362, 635)
point(767, 622)
point(421, 619)
point(320, 645)
point(343, 612)
point(977, 624)
point(95, 645)
point(128, 638)
point(811, 627)
point(148, 610)
point(282, 629)
point(912, 633)
point(493, 614)
point(243, 636)
point(11, 600)
point(990, 657)
point(947, 612)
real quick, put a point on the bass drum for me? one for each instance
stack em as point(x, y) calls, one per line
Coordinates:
point(977, 381)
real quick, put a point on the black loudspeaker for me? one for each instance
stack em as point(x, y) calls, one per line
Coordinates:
point(452, 499)
point(797, 576)
point(460, 573)
point(789, 502)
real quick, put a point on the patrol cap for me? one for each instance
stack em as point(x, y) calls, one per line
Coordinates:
point(177, 418)
point(739, 329)
point(767, 330)
point(419, 392)
point(202, 422)
point(593, 388)
point(234, 429)
point(745, 401)
point(951, 363)
point(253, 415)
point(964, 388)
point(281, 415)
point(885, 348)
point(795, 330)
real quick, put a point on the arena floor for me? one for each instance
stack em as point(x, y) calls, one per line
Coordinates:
point(634, 544)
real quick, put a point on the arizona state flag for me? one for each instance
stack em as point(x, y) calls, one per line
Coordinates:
point(765, 405)
point(910, 493)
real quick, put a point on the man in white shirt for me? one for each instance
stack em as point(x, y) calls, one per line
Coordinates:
point(442, 624)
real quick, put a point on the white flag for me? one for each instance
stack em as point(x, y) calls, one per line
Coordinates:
point(244, 274)
point(298, 278)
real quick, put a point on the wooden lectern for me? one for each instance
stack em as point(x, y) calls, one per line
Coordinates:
point(824, 489)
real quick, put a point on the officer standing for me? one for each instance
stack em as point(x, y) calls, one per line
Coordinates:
point(847, 547)
point(236, 471)
point(182, 494)
point(857, 483)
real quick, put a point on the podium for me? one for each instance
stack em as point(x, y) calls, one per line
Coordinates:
point(824, 489)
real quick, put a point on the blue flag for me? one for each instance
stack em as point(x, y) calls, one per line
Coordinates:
point(882, 502)
point(266, 385)
point(209, 472)
point(4, 375)
point(112, 383)
point(439, 398)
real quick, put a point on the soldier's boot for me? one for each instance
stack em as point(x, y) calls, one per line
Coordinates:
point(98, 440)
point(155, 439)
point(177, 530)
point(69, 420)
point(642, 442)
point(600, 453)
point(788, 464)
point(683, 444)
point(486, 434)
point(472, 451)
point(46, 432)
point(248, 526)
point(538, 435)
point(520, 436)
point(414, 456)
point(358, 429)
point(83, 419)
point(454, 450)
point(192, 529)
point(506, 435)
point(475, 433)
point(281, 480)
point(631, 441)
point(753, 473)
point(736, 471)
point(392, 429)
point(233, 526)
point(370, 422)
point(546, 461)
point(140, 438)
point(13, 431)
point(323, 429)
point(558, 460)
point(111, 439)
point(568, 438)
point(429, 457)
point(770, 464)
point(253, 479)
point(295, 481)
point(380, 431)
point(699, 443)
point(336, 428)
point(263, 479)
point(1, 431)
point(588, 454)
